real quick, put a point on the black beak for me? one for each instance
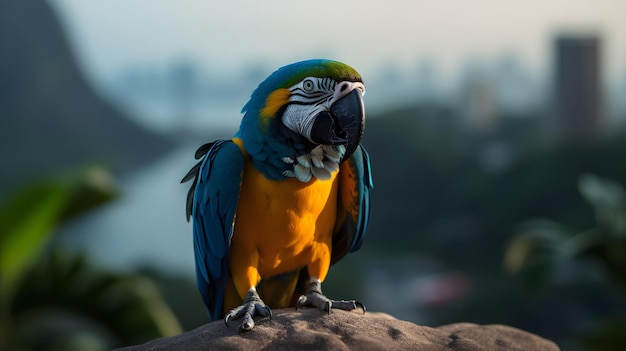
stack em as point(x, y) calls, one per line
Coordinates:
point(344, 124)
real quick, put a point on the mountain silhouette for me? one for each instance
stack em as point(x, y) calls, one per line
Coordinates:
point(50, 117)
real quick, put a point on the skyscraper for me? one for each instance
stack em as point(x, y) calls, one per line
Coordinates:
point(578, 95)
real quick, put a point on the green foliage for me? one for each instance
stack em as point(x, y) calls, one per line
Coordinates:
point(181, 295)
point(52, 302)
point(609, 203)
point(547, 245)
point(29, 216)
point(25, 224)
point(538, 249)
point(63, 301)
point(542, 249)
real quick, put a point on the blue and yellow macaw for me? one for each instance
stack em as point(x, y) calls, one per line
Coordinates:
point(286, 197)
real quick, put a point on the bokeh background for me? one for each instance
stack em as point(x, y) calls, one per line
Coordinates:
point(496, 132)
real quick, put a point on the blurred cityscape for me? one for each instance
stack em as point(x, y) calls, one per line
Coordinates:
point(574, 98)
point(461, 162)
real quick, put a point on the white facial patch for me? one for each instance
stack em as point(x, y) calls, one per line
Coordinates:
point(308, 98)
point(300, 118)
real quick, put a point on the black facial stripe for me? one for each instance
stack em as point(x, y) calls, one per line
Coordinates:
point(309, 95)
point(327, 84)
point(310, 101)
point(324, 88)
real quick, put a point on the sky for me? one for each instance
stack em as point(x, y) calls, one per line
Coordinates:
point(223, 36)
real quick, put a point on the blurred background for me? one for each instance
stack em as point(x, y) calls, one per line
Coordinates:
point(496, 132)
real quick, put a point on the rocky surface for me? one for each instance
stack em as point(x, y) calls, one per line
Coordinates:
point(310, 329)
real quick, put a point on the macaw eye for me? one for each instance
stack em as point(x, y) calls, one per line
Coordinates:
point(308, 85)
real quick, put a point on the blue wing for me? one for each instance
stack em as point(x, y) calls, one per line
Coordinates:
point(353, 210)
point(212, 202)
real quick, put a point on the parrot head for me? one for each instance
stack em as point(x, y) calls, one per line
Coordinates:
point(304, 119)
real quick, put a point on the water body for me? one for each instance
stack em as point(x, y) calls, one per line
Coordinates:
point(145, 225)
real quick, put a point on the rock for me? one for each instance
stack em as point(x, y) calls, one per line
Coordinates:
point(311, 329)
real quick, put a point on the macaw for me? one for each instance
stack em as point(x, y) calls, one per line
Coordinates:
point(283, 199)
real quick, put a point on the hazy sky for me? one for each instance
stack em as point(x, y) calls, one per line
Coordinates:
point(224, 35)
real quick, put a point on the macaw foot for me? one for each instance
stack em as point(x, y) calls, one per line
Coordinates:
point(315, 298)
point(252, 306)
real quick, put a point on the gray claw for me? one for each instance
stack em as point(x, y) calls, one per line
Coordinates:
point(358, 304)
point(234, 313)
point(247, 324)
point(252, 306)
point(314, 297)
point(301, 301)
point(267, 312)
